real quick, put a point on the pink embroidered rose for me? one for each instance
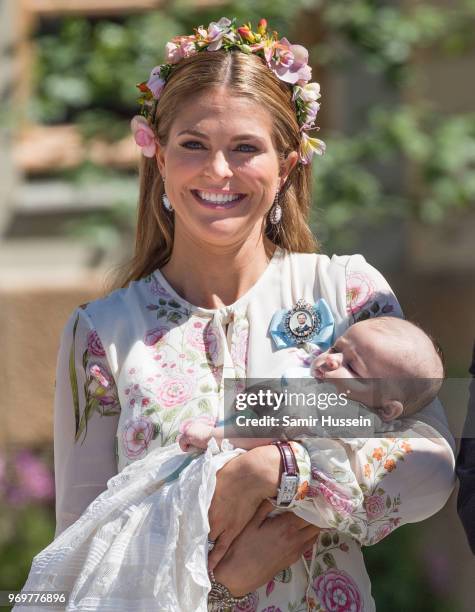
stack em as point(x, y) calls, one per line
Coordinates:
point(175, 391)
point(205, 419)
point(143, 135)
point(137, 435)
point(272, 609)
point(203, 337)
point(359, 290)
point(239, 348)
point(152, 336)
point(382, 532)
point(94, 344)
point(375, 506)
point(339, 502)
point(157, 289)
point(337, 592)
point(250, 606)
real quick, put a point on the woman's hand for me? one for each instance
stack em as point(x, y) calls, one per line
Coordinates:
point(264, 548)
point(241, 485)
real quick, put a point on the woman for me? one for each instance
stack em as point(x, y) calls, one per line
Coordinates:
point(222, 246)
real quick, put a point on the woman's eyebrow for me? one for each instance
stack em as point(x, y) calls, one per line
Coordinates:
point(199, 134)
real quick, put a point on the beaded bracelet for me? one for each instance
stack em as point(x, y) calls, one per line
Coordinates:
point(220, 598)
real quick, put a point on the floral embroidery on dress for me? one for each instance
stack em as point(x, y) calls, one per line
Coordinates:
point(99, 387)
point(137, 435)
point(363, 301)
point(337, 592)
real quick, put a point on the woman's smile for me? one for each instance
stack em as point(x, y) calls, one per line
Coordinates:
point(218, 200)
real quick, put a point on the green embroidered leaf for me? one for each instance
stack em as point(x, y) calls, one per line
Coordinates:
point(336, 538)
point(161, 312)
point(205, 366)
point(91, 406)
point(356, 529)
point(204, 405)
point(156, 431)
point(363, 487)
point(73, 378)
point(380, 491)
point(173, 304)
point(84, 359)
point(385, 443)
point(388, 502)
point(149, 411)
point(205, 388)
point(162, 302)
point(318, 570)
point(329, 560)
point(326, 539)
point(284, 575)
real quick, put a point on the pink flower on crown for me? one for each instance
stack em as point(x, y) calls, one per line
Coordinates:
point(217, 31)
point(291, 64)
point(179, 47)
point(143, 135)
point(155, 82)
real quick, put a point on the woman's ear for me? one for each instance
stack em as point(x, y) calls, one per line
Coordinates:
point(287, 166)
point(390, 410)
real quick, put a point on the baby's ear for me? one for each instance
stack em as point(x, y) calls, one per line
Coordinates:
point(391, 409)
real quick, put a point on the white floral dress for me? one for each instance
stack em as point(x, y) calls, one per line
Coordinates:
point(135, 366)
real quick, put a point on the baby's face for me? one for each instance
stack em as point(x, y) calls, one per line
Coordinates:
point(361, 353)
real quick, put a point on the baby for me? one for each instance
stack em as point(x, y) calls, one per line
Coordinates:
point(388, 364)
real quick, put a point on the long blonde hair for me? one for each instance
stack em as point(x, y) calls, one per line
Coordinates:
point(244, 75)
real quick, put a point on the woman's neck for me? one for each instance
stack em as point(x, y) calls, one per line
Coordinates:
point(212, 277)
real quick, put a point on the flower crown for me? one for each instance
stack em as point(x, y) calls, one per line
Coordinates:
point(288, 62)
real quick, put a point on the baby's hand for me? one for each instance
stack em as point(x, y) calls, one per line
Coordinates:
point(196, 435)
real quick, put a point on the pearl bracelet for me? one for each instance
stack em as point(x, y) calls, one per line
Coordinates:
point(220, 598)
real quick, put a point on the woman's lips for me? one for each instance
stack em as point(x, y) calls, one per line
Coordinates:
point(218, 205)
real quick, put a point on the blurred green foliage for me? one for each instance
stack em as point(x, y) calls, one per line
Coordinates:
point(87, 70)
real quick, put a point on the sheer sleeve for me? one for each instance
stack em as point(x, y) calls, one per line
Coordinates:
point(369, 487)
point(84, 439)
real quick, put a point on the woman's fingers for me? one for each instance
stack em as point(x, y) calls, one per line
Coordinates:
point(262, 512)
point(219, 550)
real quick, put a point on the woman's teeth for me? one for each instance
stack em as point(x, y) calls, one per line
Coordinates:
point(218, 197)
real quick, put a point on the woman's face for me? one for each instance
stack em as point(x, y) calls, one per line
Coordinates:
point(221, 169)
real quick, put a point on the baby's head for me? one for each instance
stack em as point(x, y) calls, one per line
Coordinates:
point(403, 358)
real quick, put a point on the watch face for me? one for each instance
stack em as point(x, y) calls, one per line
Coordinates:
point(288, 489)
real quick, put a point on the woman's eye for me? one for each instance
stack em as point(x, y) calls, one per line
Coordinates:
point(251, 148)
point(190, 144)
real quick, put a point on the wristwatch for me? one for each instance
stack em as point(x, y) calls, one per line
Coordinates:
point(290, 477)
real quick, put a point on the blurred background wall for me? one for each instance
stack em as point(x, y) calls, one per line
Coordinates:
point(397, 184)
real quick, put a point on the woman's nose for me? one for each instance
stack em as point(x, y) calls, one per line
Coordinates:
point(218, 166)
